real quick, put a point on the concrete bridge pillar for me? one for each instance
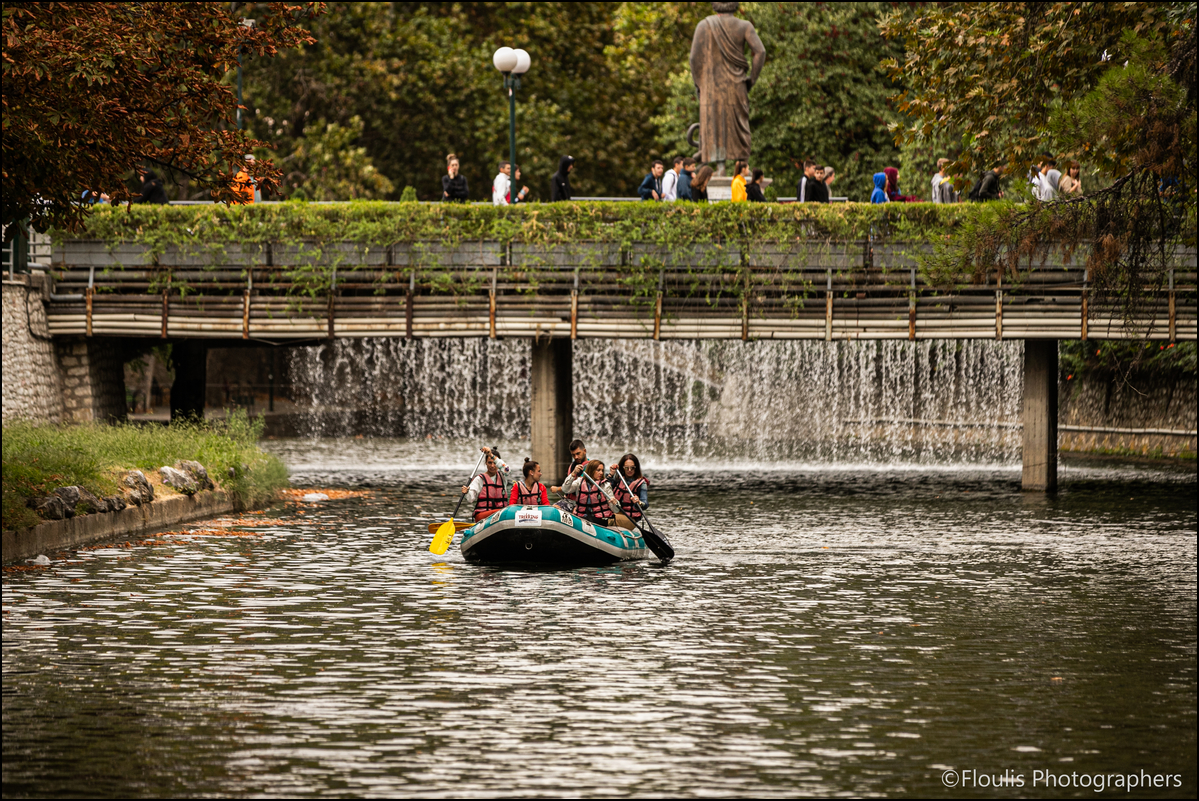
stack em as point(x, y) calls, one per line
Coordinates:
point(189, 391)
point(1040, 416)
point(553, 407)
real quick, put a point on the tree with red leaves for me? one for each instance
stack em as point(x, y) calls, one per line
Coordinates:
point(94, 90)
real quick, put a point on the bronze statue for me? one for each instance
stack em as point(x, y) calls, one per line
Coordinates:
point(722, 79)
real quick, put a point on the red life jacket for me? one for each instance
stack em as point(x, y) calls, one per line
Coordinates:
point(592, 503)
point(527, 497)
point(492, 496)
point(630, 504)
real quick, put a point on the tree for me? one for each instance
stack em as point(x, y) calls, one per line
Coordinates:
point(821, 94)
point(327, 166)
point(424, 70)
point(92, 90)
point(1112, 84)
point(997, 71)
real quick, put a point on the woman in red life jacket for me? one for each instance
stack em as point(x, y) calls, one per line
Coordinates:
point(596, 501)
point(629, 468)
point(530, 492)
point(487, 490)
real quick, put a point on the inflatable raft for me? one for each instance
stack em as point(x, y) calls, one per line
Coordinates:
point(547, 535)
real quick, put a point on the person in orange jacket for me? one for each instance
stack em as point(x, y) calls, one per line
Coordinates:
point(740, 176)
point(243, 184)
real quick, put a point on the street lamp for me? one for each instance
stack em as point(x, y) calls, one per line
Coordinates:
point(245, 23)
point(513, 63)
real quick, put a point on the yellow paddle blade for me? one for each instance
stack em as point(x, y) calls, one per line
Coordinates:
point(441, 540)
point(458, 526)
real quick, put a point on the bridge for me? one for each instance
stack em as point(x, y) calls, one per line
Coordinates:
point(776, 281)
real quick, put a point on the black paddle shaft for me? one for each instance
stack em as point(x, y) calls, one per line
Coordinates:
point(656, 542)
point(462, 497)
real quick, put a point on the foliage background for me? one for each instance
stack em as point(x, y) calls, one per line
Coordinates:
point(610, 85)
point(419, 78)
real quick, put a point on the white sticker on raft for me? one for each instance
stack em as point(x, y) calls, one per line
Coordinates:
point(586, 524)
point(528, 516)
point(566, 518)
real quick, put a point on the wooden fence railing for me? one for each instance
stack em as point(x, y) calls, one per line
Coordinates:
point(800, 290)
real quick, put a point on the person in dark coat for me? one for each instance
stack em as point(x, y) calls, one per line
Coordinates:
point(988, 185)
point(560, 181)
point(152, 191)
point(685, 178)
point(817, 188)
point(753, 191)
point(651, 185)
point(453, 183)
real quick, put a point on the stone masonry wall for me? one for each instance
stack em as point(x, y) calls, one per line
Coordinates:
point(93, 377)
point(1163, 404)
point(32, 384)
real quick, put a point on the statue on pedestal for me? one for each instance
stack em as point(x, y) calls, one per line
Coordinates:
point(722, 80)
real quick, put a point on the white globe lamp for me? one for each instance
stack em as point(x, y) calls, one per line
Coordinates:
point(505, 59)
point(522, 62)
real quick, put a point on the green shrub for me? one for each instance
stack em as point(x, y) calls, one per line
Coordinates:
point(39, 458)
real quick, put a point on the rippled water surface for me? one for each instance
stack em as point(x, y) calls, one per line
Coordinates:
point(848, 631)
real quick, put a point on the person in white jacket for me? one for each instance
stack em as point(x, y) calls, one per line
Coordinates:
point(670, 181)
point(488, 492)
point(501, 185)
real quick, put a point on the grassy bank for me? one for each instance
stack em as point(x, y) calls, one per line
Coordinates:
point(39, 458)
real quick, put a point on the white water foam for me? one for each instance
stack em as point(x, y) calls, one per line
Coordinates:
point(789, 405)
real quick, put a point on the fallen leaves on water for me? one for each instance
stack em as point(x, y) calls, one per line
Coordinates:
point(296, 494)
point(211, 532)
point(24, 569)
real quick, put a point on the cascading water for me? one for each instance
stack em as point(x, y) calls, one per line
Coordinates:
point(877, 402)
point(421, 388)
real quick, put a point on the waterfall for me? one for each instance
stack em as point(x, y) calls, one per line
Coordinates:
point(413, 388)
point(927, 402)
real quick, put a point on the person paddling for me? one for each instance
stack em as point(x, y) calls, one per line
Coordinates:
point(487, 490)
point(629, 469)
point(596, 502)
point(578, 456)
point(530, 492)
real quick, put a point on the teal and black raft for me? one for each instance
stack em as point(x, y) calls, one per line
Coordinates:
point(547, 535)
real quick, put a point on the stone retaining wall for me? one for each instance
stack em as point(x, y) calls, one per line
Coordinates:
point(32, 382)
point(163, 513)
point(93, 379)
point(1163, 404)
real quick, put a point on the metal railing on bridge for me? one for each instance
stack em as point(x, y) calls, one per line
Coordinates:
point(845, 290)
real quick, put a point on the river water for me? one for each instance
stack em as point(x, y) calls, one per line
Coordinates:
point(825, 630)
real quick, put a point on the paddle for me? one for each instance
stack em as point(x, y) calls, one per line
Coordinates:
point(458, 525)
point(445, 533)
point(656, 542)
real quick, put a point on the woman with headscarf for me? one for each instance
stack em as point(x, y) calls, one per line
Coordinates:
point(892, 189)
point(560, 181)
